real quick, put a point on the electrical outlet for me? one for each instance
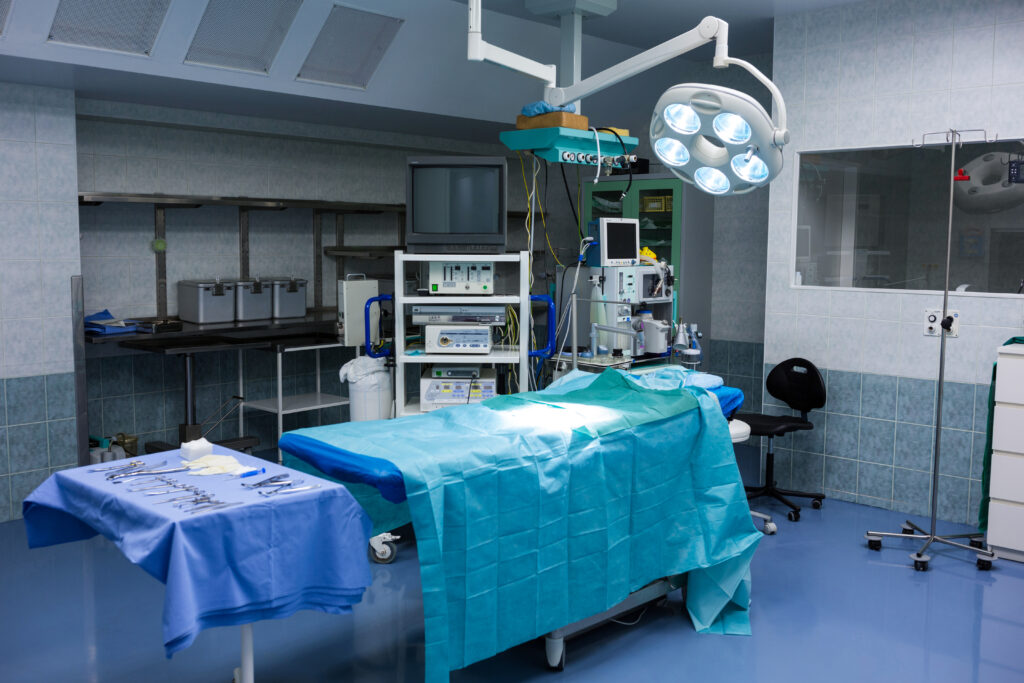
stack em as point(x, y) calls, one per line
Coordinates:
point(933, 318)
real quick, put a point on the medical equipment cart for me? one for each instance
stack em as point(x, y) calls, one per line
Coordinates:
point(499, 354)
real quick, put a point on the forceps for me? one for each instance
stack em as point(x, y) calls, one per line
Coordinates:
point(283, 490)
point(119, 467)
point(267, 482)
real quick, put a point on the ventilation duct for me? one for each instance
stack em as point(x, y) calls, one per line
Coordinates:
point(121, 25)
point(242, 34)
point(349, 48)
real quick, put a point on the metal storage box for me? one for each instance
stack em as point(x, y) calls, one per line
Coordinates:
point(289, 297)
point(252, 300)
point(206, 301)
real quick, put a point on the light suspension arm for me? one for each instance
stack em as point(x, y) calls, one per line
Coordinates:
point(480, 51)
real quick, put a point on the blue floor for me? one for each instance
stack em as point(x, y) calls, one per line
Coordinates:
point(824, 608)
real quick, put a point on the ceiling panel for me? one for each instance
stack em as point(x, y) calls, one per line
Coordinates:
point(121, 25)
point(349, 47)
point(242, 34)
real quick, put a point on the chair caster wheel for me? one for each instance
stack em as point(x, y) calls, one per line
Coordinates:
point(977, 543)
point(908, 530)
point(984, 565)
point(921, 565)
point(387, 554)
point(816, 504)
point(874, 544)
point(793, 515)
point(770, 528)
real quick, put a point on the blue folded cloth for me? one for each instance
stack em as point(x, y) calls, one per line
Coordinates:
point(542, 107)
point(97, 323)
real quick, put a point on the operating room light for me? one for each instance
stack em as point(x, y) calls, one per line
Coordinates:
point(731, 128)
point(753, 170)
point(672, 152)
point(682, 119)
point(711, 180)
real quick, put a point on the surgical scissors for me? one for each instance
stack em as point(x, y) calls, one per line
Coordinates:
point(284, 490)
point(267, 482)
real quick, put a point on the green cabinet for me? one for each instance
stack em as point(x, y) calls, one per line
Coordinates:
point(657, 202)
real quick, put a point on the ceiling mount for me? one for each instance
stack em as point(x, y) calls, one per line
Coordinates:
point(560, 8)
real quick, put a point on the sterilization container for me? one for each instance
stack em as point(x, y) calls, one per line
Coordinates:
point(253, 299)
point(289, 296)
point(206, 301)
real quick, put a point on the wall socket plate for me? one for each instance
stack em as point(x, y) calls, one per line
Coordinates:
point(932, 318)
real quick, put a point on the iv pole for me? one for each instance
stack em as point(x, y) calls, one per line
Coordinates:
point(874, 538)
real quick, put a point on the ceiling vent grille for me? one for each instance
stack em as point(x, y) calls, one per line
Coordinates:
point(349, 47)
point(5, 8)
point(121, 25)
point(242, 34)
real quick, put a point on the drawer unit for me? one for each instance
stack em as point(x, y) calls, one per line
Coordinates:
point(206, 301)
point(1008, 429)
point(1007, 476)
point(1010, 376)
point(1006, 525)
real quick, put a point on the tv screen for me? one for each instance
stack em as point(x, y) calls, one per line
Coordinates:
point(456, 204)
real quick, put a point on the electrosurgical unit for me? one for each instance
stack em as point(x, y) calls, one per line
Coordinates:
point(461, 277)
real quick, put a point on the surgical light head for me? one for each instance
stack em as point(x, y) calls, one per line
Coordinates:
point(718, 139)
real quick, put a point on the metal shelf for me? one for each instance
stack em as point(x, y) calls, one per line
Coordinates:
point(469, 299)
point(499, 354)
point(298, 403)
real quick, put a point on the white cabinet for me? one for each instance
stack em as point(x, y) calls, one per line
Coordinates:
point(412, 360)
point(1006, 476)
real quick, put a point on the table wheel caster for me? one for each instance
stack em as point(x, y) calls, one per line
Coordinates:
point(385, 555)
point(874, 544)
point(984, 564)
point(793, 515)
point(770, 528)
point(554, 650)
point(920, 562)
point(977, 543)
point(908, 530)
point(816, 503)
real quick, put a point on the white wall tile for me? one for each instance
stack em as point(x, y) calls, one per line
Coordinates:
point(780, 331)
point(882, 305)
point(971, 13)
point(86, 179)
point(56, 280)
point(56, 172)
point(21, 286)
point(780, 296)
point(848, 304)
point(857, 71)
point(929, 112)
point(780, 236)
point(1011, 52)
point(58, 340)
point(895, 21)
point(821, 75)
point(55, 115)
point(790, 32)
point(855, 124)
point(811, 339)
point(812, 301)
point(971, 108)
point(23, 344)
point(58, 231)
point(17, 170)
point(858, 21)
point(881, 353)
point(823, 28)
point(820, 126)
point(17, 112)
point(109, 173)
point(846, 337)
point(933, 16)
point(1005, 120)
point(894, 62)
point(972, 57)
point(1007, 11)
point(19, 230)
point(933, 61)
point(142, 175)
point(891, 121)
point(919, 355)
point(788, 75)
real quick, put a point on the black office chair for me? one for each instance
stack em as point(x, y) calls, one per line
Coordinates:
point(797, 383)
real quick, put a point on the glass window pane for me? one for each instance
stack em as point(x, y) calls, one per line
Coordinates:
point(606, 204)
point(656, 220)
point(878, 218)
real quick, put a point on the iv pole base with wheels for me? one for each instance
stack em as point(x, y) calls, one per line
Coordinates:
point(911, 530)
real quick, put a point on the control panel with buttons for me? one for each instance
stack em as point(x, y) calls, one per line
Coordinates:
point(461, 277)
point(933, 322)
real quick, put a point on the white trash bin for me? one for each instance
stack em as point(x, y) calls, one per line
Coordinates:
point(369, 388)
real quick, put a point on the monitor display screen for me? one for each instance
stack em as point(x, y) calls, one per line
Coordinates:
point(457, 200)
point(621, 240)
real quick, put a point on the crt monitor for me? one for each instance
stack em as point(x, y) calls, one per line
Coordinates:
point(456, 204)
point(618, 242)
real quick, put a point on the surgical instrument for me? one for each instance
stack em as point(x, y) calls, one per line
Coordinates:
point(119, 467)
point(214, 506)
point(268, 481)
point(191, 496)
point(116, 477)
point(285, 490)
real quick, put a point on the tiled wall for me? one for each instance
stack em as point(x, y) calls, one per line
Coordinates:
point(143, 393)
point(38, 256)
point(738, 268)
point(739, 364)
point(38, 229)
point(872, 444)
point(877, 74)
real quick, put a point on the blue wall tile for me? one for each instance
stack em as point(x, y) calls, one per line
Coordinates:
point(229, 367)
point(784, 468)
point(741, 359)
point(878, 396)
point(174, 409)
point(5, 498)
point(5, 462)
point(837, 494)
point(23, 484)
point(884, 503)
point(118, 415)
point(875, 480)
point(973, 502)
point(147, 372)
point(914, 446)
point(978, 442)
point(877, 441)
point(94, 378)
point(95, 417)
point(63, 442)
point(26, 400)
point(841, 436)
point(117, 376)
point(958, 405)
point(60, 396)
point(844, 391)
point(910, 491)
point(174, 372)
point(149, 412)
point(26, 447)
point(840, 474)
point(811, 440)
point(955, 453)
point(981, 392)
point(953, 494)
point(916, 401)
point(716, 359)
point(3, 403)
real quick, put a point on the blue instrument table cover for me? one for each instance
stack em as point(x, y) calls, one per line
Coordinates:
point(264, 559)
point(535, 510)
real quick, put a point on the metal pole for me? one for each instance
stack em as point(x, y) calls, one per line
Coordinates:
point(572, 321)
point(190, 391)
point(954, 136)
point(246, 672)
